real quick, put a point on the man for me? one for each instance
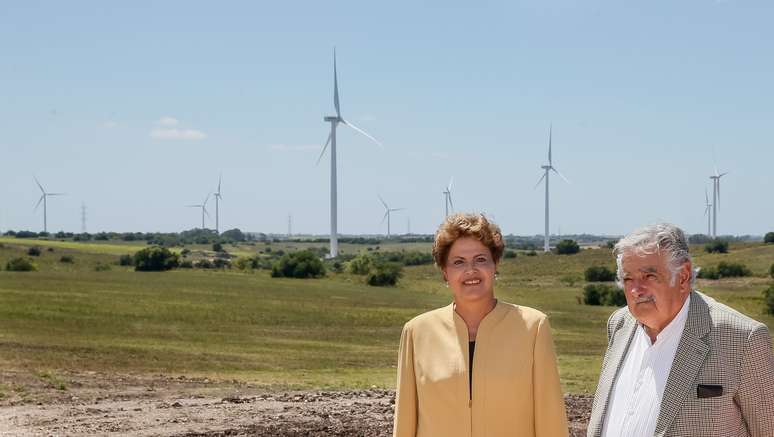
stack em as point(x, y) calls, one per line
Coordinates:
point(678, 363)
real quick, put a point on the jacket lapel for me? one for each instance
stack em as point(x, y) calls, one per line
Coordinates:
point(691, 353)
point(621, 341)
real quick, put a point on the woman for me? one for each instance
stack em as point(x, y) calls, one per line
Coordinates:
point(477, 367)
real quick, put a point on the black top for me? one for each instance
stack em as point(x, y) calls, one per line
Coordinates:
point(471, 351)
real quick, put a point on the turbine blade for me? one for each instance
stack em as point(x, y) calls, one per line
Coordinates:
point(335, 86)
point(451, 181)
point(362, 132)
point(451, 204)
point(550, 134)
point(540, 180)
point(560, 175)
point(220, 178)
point(193, 206)
point(39, 186)
point(38, 204)
point(722, 174)
point(325, 147)
point(706, 196)
point(206, 199)
point(56, 194)
point(383, 202)
point(205, 212)
point(397, 209)
point(385, 216)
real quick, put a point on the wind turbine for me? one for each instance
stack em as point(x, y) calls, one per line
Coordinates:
point(447, 197)
point(203, 206)
point(546, 169)
point(217, 207)
point(43, 198)
point(387, 211)
point(715, 199)
point(334, 120)
point(707, 207)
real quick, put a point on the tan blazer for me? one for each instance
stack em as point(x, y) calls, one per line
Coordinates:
point(515, 393)
point(719, 348)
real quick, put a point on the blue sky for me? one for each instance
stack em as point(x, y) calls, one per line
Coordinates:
point(134, 108)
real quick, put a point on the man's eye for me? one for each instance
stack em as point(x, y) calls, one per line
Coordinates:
point(650, 276)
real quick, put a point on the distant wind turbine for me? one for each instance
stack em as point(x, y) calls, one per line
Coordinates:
point(707, 206)
point(43, 198)
point(203, 206)
point(547, 168)
point(387, 212)
point(217, 206)
point(334, 120)
point(715, 199)
point(447, 197)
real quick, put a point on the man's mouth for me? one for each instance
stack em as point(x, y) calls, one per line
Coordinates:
point(644, 299)
point(472, 282)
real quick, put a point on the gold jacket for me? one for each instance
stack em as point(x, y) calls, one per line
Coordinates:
point(516, 391)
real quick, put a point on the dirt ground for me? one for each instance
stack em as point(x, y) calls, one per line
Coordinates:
point(33, 404)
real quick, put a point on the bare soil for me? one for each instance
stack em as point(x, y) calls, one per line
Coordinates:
point(93, 403)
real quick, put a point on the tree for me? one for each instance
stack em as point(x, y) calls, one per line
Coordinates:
point(217, 247)
point(20, 265)
point(33, 251)
point(603, 294)
point(599, 274)
point(768, 297)
point(155, 259)
point(233, 235)
point(384, 273)
point(769, 238)
point(567, 247)
point(303, 264)
point(716, 246)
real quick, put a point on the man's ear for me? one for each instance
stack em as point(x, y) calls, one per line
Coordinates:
point(686, 272)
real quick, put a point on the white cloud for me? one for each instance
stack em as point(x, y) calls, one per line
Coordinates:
point(177, 134)
point(288, 148)
point(168, 121)
point(168, 130)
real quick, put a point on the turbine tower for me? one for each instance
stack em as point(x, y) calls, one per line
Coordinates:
point(546, 169)
point(715, 199)
point(387, 211)
point(707, 206)
point(43, 198)
point(203, 206)
point(217, 207)
point(334, 120)
point(447, 197)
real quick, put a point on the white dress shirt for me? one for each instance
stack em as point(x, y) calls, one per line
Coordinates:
point(635, 400)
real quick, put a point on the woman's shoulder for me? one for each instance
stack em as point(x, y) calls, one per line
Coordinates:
point(527, 314)
point(431, 317)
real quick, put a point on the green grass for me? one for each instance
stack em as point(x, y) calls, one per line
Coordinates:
point(285, 333)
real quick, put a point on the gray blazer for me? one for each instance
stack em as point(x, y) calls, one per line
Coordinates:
point(719, 347)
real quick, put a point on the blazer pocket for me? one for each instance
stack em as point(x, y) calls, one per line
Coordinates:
point(707, 391)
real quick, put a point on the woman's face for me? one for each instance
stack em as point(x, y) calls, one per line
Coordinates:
point(470, 270)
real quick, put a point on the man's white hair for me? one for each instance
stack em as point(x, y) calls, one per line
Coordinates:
point(659, 238)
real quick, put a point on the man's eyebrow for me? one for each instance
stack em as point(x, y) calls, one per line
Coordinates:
point(649, 269)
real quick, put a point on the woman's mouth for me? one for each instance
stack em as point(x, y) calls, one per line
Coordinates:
point(472, 282)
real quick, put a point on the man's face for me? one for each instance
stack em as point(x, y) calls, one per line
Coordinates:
point(650, 295)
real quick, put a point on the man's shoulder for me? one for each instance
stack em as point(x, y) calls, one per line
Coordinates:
point(725, 318)
point(618, 318)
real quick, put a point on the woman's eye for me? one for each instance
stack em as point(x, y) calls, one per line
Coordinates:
point(457, 262)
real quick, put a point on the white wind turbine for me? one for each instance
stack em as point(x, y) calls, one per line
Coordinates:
point(447, 197)
point(334, 120)
point(43, 198)
point(715, 199)
point(387, 212)
point(707, 206)
point(203, 206)
point(547, 168)
point(217, 206)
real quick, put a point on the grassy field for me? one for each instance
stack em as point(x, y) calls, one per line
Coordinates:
point(329, 333)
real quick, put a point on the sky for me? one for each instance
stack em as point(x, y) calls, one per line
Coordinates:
point(134, 109)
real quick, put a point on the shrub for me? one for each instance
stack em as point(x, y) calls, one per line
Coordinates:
point(567, 247)
point(67, 259)
point(610, 244)
point(204, 264)
point(716, 246)
point(771, 271)
point(724, 270)
point(361, 264)
point(509, 254)
point(100, 267)
point(599, 274)
point(21, 265)
point(155, 259)
point(126, 260)
point(531, 253)
point(303, 264)
point(50, 249)
point(33, 251)
point(603, 294)
point(220, 263)
point(217, 247)
point(384, 273)
point(768, 298)
point(186, 264)
point(185, 252)
point(769, 238)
